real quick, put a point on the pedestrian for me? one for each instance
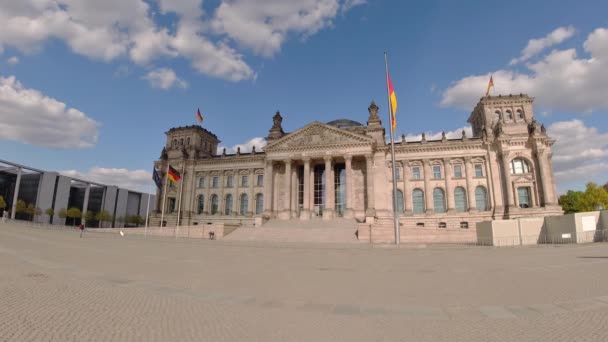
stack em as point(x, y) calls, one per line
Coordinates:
point(81, 227)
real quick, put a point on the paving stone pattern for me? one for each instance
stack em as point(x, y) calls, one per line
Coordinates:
point(55, 286)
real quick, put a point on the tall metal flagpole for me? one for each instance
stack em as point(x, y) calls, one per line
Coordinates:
point(162, 215)
point(147, 212)
point(390, 121)
point(179, 205)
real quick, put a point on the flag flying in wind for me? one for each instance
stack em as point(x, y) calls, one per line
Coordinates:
point(173, 174)
point(490, 85)
point(393, 99)
point(156, 178)
point(199, 117)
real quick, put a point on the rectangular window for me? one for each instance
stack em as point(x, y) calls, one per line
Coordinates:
point(524, 197)
point(244, 181)
point(437, 172)
point(464, 225)
point(260, 180)
point(201, 182)
point(215, 182)
point(397, 173)
point(478, 170)
point(458, 171)
point(229, 182)
point(416, 172)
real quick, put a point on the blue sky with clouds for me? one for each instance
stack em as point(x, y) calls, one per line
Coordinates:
point(90, 87)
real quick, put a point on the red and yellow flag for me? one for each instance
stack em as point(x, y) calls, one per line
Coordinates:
point(490, 85)
point(173, 175)
point(199, 117)
point(393, 100)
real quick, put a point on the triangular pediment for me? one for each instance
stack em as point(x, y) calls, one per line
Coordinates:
point(318, 134)
point(527, 178)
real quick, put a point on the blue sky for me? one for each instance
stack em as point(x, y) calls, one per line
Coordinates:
point(128, 70)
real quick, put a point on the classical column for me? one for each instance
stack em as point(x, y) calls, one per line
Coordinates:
point(287, 191)
point(268, 189)
point(547, 184)
point(305, 213)
point(428, 192)
point(85, 204)
point(507, 174)
point(468, 166)
point(407, 188)
point(449, 193)
point(251, 195)
point(294, 191)
point(328, 210)
point(349, 212)
point(16, 195)
point(370, 211)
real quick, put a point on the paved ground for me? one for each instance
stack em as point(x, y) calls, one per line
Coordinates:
point(57, 287)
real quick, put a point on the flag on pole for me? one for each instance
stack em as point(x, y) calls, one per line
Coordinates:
point(173, 174)
point(199, 117)
point(393, 100)
point(157, 179)
point(490, 86)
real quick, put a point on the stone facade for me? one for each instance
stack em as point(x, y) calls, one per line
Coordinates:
point(503, 171)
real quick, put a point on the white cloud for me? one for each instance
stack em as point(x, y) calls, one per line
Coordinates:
point(348, 4)
point(454, 134)
point(536, 46)
point(13, 60)
point(30, 117)
point(164, 78)
point(579, 153)
point(112, 29)
point(560, 80)
point(258, 142)
point(138, 180)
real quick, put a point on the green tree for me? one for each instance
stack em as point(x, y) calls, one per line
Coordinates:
point(103, 216)
point(2, 203)
point(570, 202)
point(74, 213)
point(135, 220)
point(51, 213)
point(30, 210)
point(21, 207)
point(120, 219)
point(593, 197)
point(89, 216)
point(62, 213)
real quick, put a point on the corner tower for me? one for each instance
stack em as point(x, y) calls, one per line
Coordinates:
point(494, 115)
point(190, 142)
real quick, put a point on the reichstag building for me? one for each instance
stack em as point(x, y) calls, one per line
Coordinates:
point(342, 170)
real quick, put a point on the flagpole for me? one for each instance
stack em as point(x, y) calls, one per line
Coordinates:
point(147, 212)
point(162, 215)
point(179, 205)
point(390, 121)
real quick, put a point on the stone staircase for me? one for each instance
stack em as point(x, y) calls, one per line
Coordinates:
point(295, 230)
point(383, 231)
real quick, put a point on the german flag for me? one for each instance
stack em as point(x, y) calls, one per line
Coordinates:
point(173, 175)
point(393, 100)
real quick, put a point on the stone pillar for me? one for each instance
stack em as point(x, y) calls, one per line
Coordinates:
point(507, 173)
point(268, 189)
point(407, 189)
point(305, 213)
point(350, 198)
point(546, 179)
point(449, 193)
point(16, 195)
point(251, 194)
point(328, 210)
point(294, 192)
point(370, 211)
point(428, 192)
point(286, 212)
point(85, 204)
point(470, 189)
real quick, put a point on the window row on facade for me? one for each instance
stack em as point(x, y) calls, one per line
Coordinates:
point(228, 181)
point(228, 205)
point(439, 200)
point(438, 171)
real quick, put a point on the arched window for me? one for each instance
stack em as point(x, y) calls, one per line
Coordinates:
point(418, 201)
point(244, 204)
point(481, 199)
point(201, 204)
point(520, 114)
point(519, 166)
point(399, 201)
point(460, 199)
point(509, 115)
point(188, 141)
point(439, 200)
point(174, 144)
point(181, 142)
point(259, 204)
point(228, 207)
point(497, 116)
point(214, 204)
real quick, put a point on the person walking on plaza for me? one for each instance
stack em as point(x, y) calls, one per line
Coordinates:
point(81, 227)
